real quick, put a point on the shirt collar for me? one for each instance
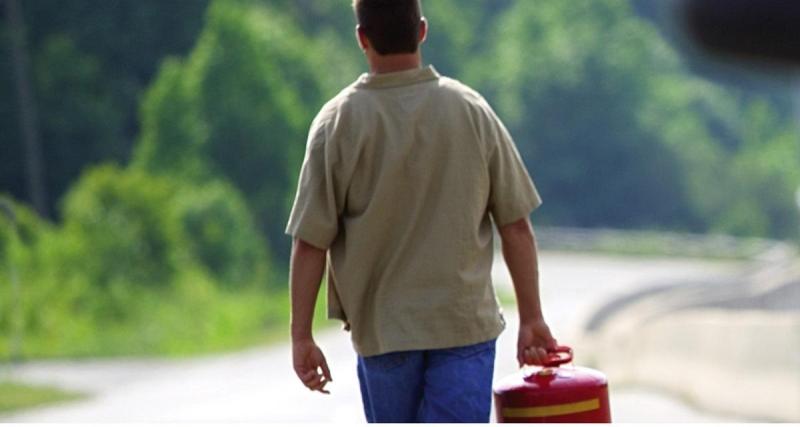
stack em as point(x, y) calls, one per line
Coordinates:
point(398, 78)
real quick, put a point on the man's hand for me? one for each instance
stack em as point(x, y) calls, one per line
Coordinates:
point(533, 342)
point(308, 362)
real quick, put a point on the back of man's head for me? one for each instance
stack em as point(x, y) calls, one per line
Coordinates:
point(392, 26)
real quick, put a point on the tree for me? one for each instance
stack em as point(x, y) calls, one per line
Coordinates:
point(89, 62)
point(764, 177)
point(222, 236)
point(238, 107)
point(127, 228)
point(27, 107)
point(574, 81)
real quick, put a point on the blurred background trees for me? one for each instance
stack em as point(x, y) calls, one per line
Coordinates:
point(90, 61)
point(172, 135)
point(238, 107)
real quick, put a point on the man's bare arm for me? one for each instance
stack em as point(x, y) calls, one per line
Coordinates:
point(519, 251)
point(307, 268)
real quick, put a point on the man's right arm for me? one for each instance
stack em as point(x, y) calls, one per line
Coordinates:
point(307, 267)
point(519, 251)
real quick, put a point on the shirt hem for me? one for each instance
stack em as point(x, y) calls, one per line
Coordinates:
point(433, 343)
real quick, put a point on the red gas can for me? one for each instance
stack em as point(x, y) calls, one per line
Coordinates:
point(553, 393)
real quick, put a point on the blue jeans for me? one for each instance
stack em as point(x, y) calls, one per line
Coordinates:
point(446, 385)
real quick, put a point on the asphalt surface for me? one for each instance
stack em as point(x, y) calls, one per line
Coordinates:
point(258, 385)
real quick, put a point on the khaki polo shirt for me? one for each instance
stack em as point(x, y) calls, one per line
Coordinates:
point(402, 177)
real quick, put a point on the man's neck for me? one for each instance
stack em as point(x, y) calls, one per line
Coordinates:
point(379, 64)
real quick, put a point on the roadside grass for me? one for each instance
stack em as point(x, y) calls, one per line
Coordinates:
point(163, 324)
point(16, 396)
point(166, 324)
point(58, 319)
point(194, 318)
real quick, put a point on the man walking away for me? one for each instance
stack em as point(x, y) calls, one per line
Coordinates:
point(404, 173)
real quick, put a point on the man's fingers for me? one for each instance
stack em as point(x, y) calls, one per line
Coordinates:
point(533, 356)
point(312, 379)
point(542, 353)
point(527, 357)
point(319, 385)
point(325, 370)
point(308, 376)
point(315, 383)
point(311, 367)
point(522, 357)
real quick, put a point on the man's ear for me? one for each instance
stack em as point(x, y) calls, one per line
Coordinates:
point(363, 41)
point(423, 30)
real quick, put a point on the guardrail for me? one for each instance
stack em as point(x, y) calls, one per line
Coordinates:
point(641, 242)
point(726, 347)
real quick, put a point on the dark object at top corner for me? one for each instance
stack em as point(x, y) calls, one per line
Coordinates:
point(766, 31)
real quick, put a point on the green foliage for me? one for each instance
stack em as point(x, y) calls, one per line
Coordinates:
point(455, 32)
point(22, 235)
point(89, 62)
point(121, 229)
point(194, 315)
point(173, 135)
point(16, 396)
point(128, 37)
point(221, 234)
point(329, 27)
point(20, 226)
point(591, 92)
point(618, 134)
point(574, 79)
point(674, 115)
point(135, 229)
point(765, 170)
point(739, 158)
point(239, 107)
point(81, 121)
point(139, 255)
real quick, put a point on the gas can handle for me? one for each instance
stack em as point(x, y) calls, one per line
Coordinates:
point(558, 356)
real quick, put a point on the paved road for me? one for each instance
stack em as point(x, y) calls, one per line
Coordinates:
point(258, 385)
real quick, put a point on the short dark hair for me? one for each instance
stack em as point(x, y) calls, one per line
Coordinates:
point(392, 26)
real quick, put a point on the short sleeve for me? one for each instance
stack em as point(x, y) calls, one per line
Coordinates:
point(315, 212)
point(512, 193)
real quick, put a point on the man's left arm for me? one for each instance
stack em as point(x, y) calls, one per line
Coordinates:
point(307, 267)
